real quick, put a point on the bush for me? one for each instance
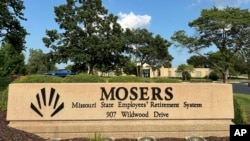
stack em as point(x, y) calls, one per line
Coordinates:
point(186, 76)
point(127, 79)
point(4, 99)
point(165, 80)
point(97, 137)
point(213, 76)
point(83, 78)
point(38, 79)
point(200, 80)
point(240, 116)
point(4, 82)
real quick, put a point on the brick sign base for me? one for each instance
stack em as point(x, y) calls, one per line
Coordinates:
point(118, 110)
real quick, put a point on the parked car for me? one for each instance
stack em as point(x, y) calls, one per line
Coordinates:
point(61, 73)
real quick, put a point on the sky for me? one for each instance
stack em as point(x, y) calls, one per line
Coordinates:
point(162, 17)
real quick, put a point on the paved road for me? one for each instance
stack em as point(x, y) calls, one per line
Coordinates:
point(241, 88)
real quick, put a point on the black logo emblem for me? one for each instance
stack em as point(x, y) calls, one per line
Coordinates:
point(42, 102)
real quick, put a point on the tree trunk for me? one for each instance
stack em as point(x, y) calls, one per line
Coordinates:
point(90, 69)
point(141, 70)
point(137, 71)
point(225, 74)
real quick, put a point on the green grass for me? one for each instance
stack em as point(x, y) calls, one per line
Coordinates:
point(243, 112)
point(244, 100)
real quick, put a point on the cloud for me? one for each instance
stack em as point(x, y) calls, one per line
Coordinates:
point(133, 21)
point(197, 2)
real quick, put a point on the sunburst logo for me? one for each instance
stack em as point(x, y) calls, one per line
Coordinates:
point(42, 103)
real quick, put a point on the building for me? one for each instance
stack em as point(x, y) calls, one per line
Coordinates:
point(164, 72)
point(171, 72)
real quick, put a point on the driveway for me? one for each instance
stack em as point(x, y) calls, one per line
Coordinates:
point(241, 88)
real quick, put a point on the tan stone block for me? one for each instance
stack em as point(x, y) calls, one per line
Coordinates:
point(66, 110)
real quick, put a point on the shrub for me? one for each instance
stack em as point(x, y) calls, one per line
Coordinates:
point(186, 75)
point(165, 80)
point(83, 78)
point(213, 76)
point(38, 79)
point(4, 82)
point(118, 72)
point(240, 116)
point(4, 99)
point(200, 80)
point(97, 137)
point(127, 79)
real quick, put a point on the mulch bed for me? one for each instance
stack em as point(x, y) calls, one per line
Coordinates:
point(10, 134)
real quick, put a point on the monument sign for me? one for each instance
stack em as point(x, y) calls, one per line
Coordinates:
point(121, 110)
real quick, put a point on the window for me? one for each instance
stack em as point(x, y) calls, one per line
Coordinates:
point(207, 73)
point(159, 72)
point(197, 74)
point(178, 74)
point(169, 73)
point(146, 73)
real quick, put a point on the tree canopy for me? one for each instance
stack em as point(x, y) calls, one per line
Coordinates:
point(148, 49)
point(39, 62)
point(199, 61)
point(12, 37)
point(235, 68)
point(89, 35)
point(185, 70)
point(228, 29)
point(11, 31)
point(13, 62)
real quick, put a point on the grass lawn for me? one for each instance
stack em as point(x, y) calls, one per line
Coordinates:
point(244, 101)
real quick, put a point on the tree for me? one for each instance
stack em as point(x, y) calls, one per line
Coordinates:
point(130, 66)
point(185, 71)
point(89, 35)
point(81, 67)
point(147, 49)
point(217, 58)
point(39, 62)
point(140, 47)
point(11, 31)
point(228, 29)
point(198, 61)
point(244, 66)
point(13, 61)
point(160, 56)
point(12, 37)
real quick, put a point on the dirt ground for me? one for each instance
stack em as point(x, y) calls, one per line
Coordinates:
point(10, 134)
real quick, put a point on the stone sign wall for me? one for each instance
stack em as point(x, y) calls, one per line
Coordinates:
point(66, 110)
